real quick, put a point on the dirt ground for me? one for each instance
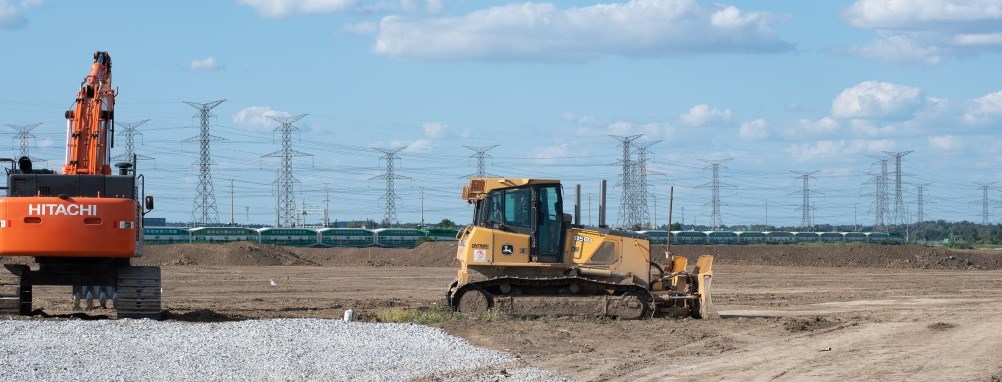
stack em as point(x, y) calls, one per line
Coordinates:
point(836, 312)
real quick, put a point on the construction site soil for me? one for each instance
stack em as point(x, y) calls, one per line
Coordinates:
point(804, 312)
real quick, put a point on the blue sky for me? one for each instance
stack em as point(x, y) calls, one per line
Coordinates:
point(778, 86)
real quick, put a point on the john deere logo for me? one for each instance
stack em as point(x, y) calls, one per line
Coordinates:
point(507, 249)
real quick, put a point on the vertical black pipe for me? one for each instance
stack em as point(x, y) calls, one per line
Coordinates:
point(601, 206)
point(577, 204)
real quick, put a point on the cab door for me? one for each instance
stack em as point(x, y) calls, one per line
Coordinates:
point(547, 227)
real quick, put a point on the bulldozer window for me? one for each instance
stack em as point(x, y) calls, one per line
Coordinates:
point(517, 207)
point(551, 217)
point(493, 209)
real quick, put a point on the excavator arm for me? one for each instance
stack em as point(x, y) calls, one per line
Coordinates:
point(89, 124)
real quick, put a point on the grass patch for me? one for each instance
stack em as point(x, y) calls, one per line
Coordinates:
point(415, 316)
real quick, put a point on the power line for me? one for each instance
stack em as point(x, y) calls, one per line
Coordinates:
point(481, 155)
point(879, 180)
point(628, 211)
point(806, 222)
point(204, 211)
point(286, 181)
point(642, 188)
point(920, 214)
point(130, 134)
point(24, 136)
point(984, 201)
point(715, 184)
point(900, 216)
point(390, 197)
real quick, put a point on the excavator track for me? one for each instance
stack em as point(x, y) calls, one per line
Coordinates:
point(15, 292)
point(560, 296)
point(139, 292)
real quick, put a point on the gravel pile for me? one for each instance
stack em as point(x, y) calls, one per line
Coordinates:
point(258, 350)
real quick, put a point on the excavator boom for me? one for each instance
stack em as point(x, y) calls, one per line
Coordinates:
point(89, 124)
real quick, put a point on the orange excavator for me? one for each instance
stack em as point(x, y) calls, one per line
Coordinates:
point(81, 226)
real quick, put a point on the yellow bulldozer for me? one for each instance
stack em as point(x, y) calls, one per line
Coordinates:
point(524, 256)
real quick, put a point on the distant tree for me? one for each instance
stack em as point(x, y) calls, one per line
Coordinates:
point(446, 223)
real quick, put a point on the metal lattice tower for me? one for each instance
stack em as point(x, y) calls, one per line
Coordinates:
point(880, 205)
point(327, 206)
point(715, 184)
point(628, 210)
point(805, 219)
point(920, 214)
point(642, 188)
point(286, 181)
point(204, 211)
point(24, 136)
point(481, 155)
point(985, 213)
point(130, 133)
point(390, 197)
point(899, 202)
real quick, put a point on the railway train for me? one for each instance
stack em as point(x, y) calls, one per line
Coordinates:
point(411, 237)
point(770, 237)
point(300, 237)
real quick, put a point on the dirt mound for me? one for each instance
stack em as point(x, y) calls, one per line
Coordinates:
point(230, 254)
point(847, 255)
point(434, 254)
point(439, 254)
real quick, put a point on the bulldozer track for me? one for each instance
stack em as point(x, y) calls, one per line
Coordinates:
point(549, 287)
point(15, 294)
point(139, 292)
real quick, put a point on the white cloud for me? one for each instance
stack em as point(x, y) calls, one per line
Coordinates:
point(916, 14)
point(12, 13)
point(255, 118)
point(878, 100)
point(541, 31)
point(927, 31)
point(945, 143)
point(754, 130)
point(703, 114)
point(283, 8)
point(551, 154)
point(427, 6)
point(985, 109)
point(205, 64)
point(828, 150)
point(434, 129)
point(807, 127)
point(420, 145)
point(901, 49)
point(466, 133)
point(649, 130)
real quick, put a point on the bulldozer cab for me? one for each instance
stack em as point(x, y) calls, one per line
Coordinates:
point(531, 213)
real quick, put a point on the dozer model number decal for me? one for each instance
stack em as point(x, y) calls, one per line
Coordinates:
point(583, 239)
point(62, 209)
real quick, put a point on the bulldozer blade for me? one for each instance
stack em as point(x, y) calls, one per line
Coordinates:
point(704, 278)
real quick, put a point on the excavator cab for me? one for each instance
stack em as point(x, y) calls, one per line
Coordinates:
point(527, 220)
